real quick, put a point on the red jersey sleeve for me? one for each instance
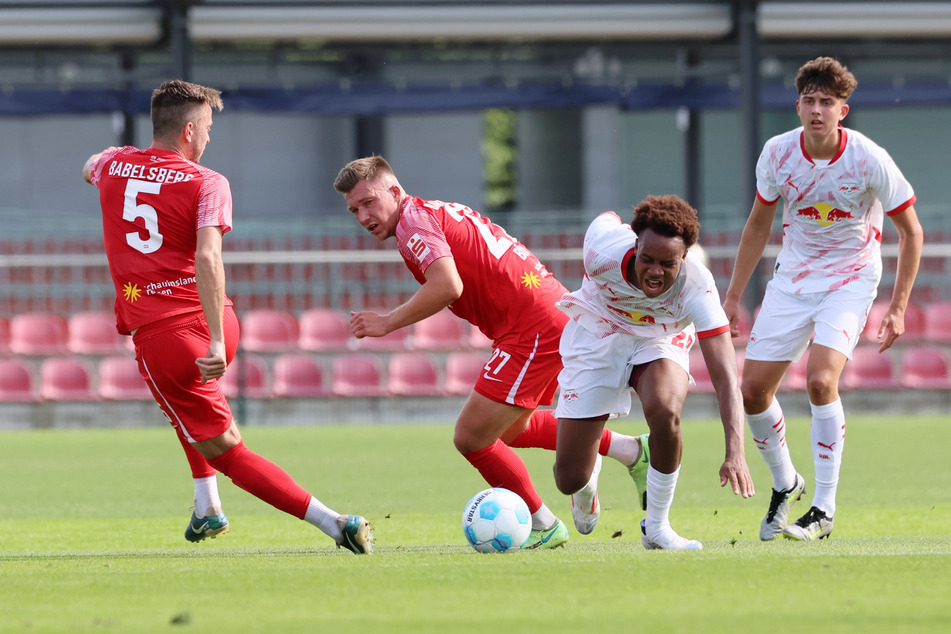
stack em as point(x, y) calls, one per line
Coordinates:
point(506, 290)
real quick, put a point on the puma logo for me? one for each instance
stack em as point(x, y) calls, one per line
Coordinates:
point(829, 447)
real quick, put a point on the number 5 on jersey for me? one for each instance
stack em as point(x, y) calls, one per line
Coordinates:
point(132, 209)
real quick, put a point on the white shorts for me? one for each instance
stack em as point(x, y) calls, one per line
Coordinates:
point(786, 321)
point(594, 380)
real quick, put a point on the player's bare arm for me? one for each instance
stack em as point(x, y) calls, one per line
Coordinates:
point(210, 280)
point(720, 357)
point(87, 168)
point(910, 241)
point(753, 241)
point(443, 286)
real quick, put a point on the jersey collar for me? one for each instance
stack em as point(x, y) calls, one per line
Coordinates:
point(843, 138)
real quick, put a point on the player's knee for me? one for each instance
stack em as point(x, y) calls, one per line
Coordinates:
point(756, 397)
point(466, 441)
point(662, 418)
point(820, 386)
point(569, 478)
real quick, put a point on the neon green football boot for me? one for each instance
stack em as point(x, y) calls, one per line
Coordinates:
point(638, 471)
point(553, 537)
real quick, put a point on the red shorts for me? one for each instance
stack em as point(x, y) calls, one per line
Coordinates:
point(166, 351)
point(522, 372)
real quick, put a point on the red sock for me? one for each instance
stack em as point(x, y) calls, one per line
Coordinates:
point(605, 442)
point(263, 479)
point(501, 467)
point(199, 466)
point(542, 433)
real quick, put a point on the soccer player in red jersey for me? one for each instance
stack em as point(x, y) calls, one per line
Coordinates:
point(163, 219)
point(485, 276)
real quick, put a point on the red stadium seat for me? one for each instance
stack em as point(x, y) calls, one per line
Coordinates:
point(94, 333)
point(700, 374)
point(914, 324)
point(462, 371)
point(267, 330)
point(4, 335)
point(795, 378)
point(869, 370)
point(938, 322)
point(324, 329)
point(477, 340)
point(66, 379)
point(246, 376)
point(356, 375)
point(442, 331)
point(298, 376)
point(120, 380)
point(925, 368)
point(16, 382)
point(38, 333)
point(413, 374)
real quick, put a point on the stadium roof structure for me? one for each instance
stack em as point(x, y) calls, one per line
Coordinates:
point(130, 22)
point(381, 56)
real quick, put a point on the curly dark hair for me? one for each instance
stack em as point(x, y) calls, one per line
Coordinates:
point(668, 216)
point(826, 74)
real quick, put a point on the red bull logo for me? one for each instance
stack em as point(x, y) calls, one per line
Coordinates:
point(635, 316)
point(823, 214)
point(641, 318)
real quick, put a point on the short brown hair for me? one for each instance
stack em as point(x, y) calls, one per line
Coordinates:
point(827, 74)
point(174, 102)
point(368, 168)
point(668, 216)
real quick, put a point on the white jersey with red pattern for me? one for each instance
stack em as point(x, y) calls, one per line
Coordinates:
point(505, 288)
point(153, 203)
point(607, 303)
point(832, 211)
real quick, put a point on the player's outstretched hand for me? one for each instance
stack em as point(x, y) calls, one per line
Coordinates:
point(367, 324)
point(213, 365)
point(738, 475)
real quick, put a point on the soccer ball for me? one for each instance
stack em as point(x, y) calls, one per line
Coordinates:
point(496, 521)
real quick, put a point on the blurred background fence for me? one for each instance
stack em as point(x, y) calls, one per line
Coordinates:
point(63, 365)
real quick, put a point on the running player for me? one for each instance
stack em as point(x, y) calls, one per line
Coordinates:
point(163, 217)
point(836, 186)
point(483, 275)
point(643, 303)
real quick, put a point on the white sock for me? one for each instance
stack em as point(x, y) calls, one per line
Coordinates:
point(624, 449)
point(323, 518)
point(207, 501)
point(589, 491)
point(828, 440)
point(660, 497)
point(543, 518)
point(769, 433)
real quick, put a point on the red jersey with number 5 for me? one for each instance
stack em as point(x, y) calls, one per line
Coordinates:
point(506, 289)
point(153, 203)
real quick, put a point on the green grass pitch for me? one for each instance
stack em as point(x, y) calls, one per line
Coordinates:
point(91, 527)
